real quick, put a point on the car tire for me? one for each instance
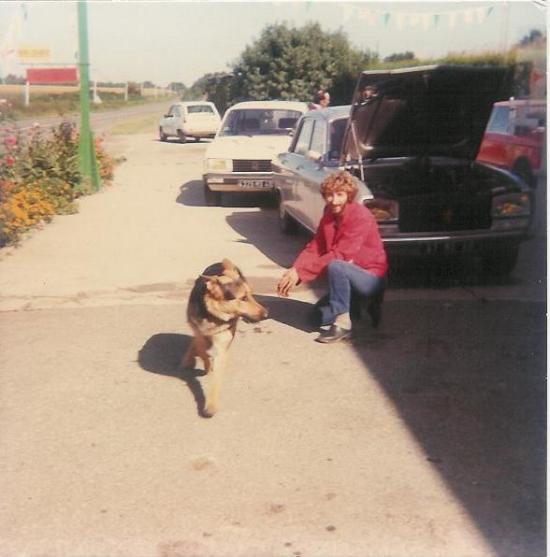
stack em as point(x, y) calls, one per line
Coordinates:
point(286, 223)
point(181, 136)
point(212, 198)
point(162, 135)
point(523, 169)
point(500, 260)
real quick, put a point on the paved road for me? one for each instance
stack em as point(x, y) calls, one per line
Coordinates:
point(423, 438)
point(101, 120)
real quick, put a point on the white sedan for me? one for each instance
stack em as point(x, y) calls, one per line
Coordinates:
point(251, 134)
point(190, 119)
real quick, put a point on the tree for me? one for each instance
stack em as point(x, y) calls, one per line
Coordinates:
point(291, 63)
point(398, 57)
point(533, 37)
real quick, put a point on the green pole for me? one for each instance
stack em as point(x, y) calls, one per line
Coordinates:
point(86, 149)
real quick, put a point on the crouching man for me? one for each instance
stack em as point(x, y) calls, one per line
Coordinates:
point(348, 248)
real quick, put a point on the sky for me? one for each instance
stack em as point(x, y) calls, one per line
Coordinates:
point(171, 41)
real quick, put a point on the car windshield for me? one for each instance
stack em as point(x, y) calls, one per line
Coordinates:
point(193, 109)
point(253, 121)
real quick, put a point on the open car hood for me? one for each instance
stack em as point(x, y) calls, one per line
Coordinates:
point(422, 111)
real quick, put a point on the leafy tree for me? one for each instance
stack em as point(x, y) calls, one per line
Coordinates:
point(291, 63)
point(534, 36)
point(400, 56)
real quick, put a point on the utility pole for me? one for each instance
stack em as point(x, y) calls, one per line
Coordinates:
point(86, 149)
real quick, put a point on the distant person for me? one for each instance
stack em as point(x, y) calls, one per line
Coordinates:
point(321, 99)
point(368, 94)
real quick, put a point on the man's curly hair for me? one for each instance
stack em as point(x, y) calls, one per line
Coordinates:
point(340, 181)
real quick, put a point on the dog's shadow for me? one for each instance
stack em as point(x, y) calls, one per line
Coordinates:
point(162, 354)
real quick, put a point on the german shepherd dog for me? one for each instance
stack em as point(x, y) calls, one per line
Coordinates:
point(219, 298)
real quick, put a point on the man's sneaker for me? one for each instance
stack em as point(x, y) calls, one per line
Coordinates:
point(334, 334)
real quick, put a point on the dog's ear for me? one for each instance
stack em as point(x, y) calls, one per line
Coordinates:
point(213, 286)
point(229, 265)
point(230, 269)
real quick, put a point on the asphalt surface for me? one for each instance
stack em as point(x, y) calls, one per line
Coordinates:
point(423, 438)
point(100, 119)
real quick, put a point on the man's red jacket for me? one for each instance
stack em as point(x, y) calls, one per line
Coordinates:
point(355, 238)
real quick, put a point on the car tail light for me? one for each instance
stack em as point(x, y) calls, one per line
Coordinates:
point(511, 205)
point(384, 210)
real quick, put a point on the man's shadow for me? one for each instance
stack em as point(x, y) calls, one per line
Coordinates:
point(293, 313)
point(162, 354)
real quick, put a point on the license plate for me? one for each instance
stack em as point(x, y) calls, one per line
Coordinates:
point(261, 184)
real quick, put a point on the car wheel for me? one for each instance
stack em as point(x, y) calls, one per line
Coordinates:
point(162, 135)
point(523, 169)
point(181, 136)
point(212, 198)
point(501, 260)
point(286, 223)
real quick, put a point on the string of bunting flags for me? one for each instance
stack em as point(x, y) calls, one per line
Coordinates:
point(422, 20)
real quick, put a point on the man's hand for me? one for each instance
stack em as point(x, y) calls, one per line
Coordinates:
point(288, 281)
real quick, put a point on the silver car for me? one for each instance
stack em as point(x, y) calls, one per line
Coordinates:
point(411, 137)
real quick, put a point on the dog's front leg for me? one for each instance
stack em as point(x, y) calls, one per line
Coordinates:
point(215, 368)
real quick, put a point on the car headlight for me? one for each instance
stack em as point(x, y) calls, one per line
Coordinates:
point(511, 205)
point(383, 210)
point(219, 165)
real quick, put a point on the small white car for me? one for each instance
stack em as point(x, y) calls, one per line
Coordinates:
point(251, 134)
point(190, 119)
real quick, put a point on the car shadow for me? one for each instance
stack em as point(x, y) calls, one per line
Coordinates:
point(262, 230)
point(468, 378)
point(162, 353)
point(187, 141)
point(443, 272)
point(192, 195)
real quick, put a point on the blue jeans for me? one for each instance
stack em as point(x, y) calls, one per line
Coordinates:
point(343, 278)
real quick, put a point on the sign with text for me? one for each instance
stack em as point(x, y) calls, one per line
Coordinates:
point(48, 76)
point(33, 53)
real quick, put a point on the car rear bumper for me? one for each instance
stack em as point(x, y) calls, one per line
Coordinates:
point(240, 181)
point(199, 133)
point(452, 244)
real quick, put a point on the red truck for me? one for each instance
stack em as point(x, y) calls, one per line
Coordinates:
point(515, 138)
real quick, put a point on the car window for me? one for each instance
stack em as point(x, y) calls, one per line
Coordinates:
point(337, 129)
point(499, 120)
point(304, 138)
point(255, 121)
point(172, 111)
point(319, 137)
point(195, 108)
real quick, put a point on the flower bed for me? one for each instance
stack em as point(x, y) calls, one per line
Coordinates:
point(40, 177)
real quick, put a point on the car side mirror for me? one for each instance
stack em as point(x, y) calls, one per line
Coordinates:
point(314, 156)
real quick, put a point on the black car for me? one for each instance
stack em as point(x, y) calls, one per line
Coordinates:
point(411, 137)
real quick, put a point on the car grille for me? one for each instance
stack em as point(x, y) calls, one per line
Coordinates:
point(444, 213)
point(246, 165)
